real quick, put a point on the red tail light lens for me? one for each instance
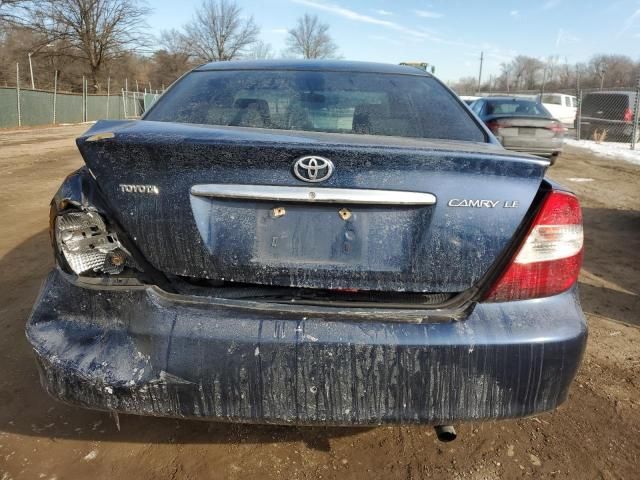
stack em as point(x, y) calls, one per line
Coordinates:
point(495, 125)
point(549, 260)
point(628, 115)
point(558, 128)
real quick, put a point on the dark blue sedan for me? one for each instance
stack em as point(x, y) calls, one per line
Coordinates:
point(308, 242)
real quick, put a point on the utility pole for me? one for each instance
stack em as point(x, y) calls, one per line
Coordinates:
point(108, 94)
point(602, 71)
point(480, 72)
point(84, 105)
point(55, 94)
point(18, 94)
point(33, 85)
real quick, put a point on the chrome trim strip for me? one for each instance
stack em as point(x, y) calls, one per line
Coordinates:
point(313, 195)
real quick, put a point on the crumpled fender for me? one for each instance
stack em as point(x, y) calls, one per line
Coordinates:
point(81, 191)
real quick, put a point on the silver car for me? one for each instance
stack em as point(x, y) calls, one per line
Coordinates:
point(522, 125)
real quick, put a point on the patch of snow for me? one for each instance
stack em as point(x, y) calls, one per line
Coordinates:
point(621, 151)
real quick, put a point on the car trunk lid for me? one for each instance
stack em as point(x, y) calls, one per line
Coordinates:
point(156, 177)
point(523, 126)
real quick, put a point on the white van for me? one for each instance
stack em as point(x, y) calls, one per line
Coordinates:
point(562, 107)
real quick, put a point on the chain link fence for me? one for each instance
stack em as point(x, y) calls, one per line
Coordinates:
point(609, 116)
point(30, 107)
point(592, 115)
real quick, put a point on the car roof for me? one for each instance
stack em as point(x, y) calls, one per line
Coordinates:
point(557, 94)
point(313, 65)
point(505, 98)
point(611, 92)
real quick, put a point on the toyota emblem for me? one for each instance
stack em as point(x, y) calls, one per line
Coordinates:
point(313, 169)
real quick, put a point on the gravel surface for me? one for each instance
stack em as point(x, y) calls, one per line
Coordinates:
point(594, 435)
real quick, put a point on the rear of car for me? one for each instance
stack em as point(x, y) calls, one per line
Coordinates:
point(522, 125)
point(609, 114)
point(310, 243)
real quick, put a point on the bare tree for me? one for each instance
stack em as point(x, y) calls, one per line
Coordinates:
point(219, 32)
point(310, 38)
point(173, 41)
point(524, 72)
point(465, 86)
point(10, 10)
point(260, 51)
point(611, 70)
point(172, 60)
point(96, 31)
point(566, 71)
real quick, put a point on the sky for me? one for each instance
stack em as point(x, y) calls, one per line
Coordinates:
point(449, 34)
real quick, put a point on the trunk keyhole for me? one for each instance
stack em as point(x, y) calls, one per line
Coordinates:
point(345, 214)
point(278, 212)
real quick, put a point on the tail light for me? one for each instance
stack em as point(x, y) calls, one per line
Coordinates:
point(495, 125)
point(549, 260)
point(557, 129)
point(86, 244)
point(628, 115)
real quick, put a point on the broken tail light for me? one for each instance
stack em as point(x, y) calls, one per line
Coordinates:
point(86, 244)
point(628, 115)
point(549, 260)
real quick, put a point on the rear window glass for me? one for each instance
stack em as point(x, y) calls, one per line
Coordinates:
point(516, 107)
point(607, 105)
point(337, 102)
point(553, 99)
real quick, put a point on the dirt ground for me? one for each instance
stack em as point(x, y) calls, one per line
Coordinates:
point(594, 435)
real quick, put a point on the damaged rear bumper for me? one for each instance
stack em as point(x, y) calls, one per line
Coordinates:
point(140, 351)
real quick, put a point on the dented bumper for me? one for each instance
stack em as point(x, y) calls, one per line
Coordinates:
point(140, 351)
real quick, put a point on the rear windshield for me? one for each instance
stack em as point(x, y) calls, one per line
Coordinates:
point(608, 105)
point(338, 102)
point(516, 107)
point(552, 99)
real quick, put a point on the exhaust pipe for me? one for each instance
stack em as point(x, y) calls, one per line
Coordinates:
point(445, 433)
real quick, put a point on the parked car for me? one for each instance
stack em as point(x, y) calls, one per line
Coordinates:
point(310, 242)
point(608, 112)
point(561, 106)
point(522, 125)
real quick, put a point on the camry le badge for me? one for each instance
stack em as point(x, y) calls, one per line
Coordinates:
point(463, 202)
point(313, 169)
